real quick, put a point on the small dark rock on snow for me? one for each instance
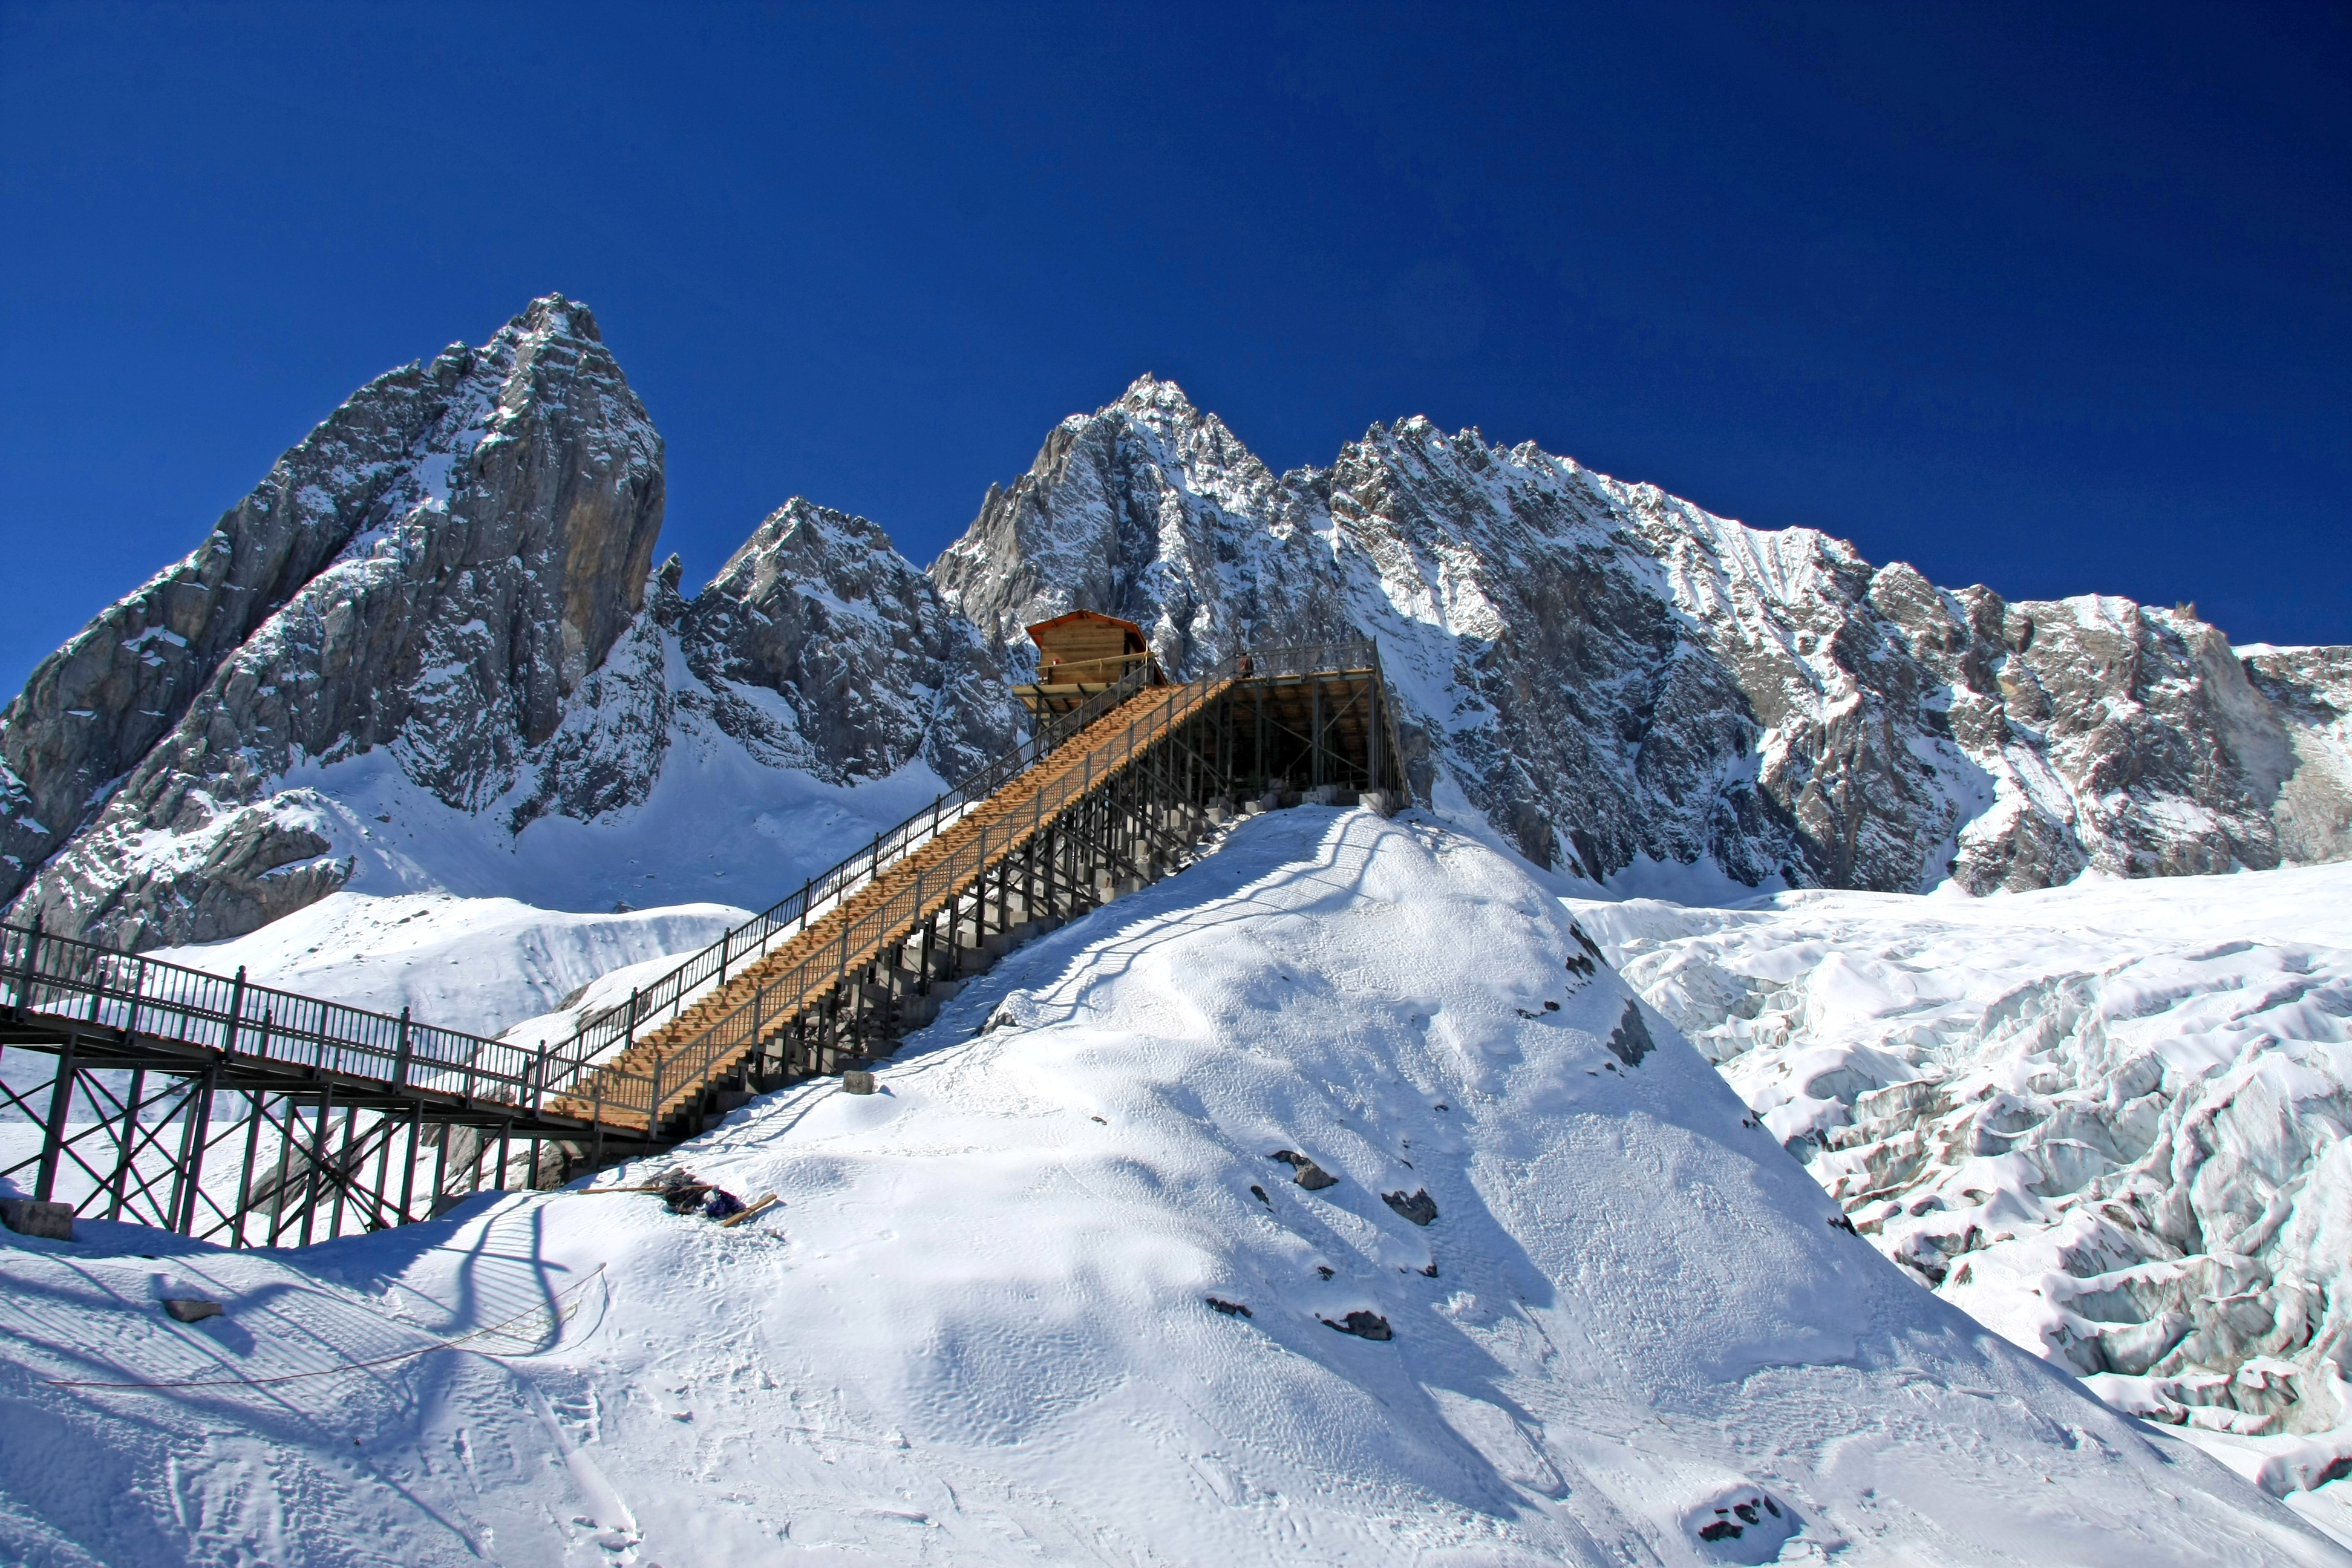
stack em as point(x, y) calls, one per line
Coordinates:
point(1363, 1325)
point(1230, 1308)
point(1306, 1172)
point(37, 1217)
point(1630, 1039)
point(1420, 1208)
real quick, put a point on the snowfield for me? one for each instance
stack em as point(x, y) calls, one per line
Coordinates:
point(2108, 1119)
point(978, 1328)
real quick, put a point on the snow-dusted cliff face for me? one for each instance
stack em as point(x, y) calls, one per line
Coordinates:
point(875, 671)
point(428, 630)
point(2110, 1121)
point(1621, 679)
point(439, 566)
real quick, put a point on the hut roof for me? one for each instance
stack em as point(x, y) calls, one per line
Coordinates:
point(1135, 642)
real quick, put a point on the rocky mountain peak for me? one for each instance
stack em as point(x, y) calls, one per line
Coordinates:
point(1148, 396)
point(444, 596)
point(1130, 511)
point(875, 671)
point(437, 568)
point(1669, 700)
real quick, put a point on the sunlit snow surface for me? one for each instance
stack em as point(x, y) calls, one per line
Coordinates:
point(2109, 1120)
point(975, 1331)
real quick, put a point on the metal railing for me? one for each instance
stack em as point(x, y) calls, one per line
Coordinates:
point(642, 1097)
point(79, 980)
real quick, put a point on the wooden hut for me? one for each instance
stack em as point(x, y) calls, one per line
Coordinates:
point(1078, 653)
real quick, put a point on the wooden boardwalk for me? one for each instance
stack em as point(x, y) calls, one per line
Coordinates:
point(668, 1070)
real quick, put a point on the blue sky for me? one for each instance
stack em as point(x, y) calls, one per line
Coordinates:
point(2055, 298)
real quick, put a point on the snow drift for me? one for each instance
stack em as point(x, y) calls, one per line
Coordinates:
point(1051, 1294)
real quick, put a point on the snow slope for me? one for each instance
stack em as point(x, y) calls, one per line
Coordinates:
point(2109, 1120)
point(977, 1329)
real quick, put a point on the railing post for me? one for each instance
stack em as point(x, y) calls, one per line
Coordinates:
point(400, 1055)
point(235, 1016)
point(653, 1106)
point(31, 968)
point(596, 1119)
point(539, 1078)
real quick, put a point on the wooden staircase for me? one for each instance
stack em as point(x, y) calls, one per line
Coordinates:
point(688, 1054)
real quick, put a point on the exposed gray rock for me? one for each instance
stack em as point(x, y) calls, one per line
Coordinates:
point(874, 670)
point(2309, 690)
point(1363, 1325)
point(1417, 1205)
point(1629, 1041)
point(1619, 678)
point(1305, 1171)
point(37, 1217)
point(439, 569)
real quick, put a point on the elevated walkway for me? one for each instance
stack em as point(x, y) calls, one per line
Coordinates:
point(668, 1070)
point(204, 1105)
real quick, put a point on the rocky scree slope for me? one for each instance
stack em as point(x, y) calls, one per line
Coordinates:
point(452, 573)
point(1623, 682)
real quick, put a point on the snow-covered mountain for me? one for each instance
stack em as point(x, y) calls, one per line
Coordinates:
point(1049, 1297)
point(1667, 700)
point(422, 724)
point(428, 653)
